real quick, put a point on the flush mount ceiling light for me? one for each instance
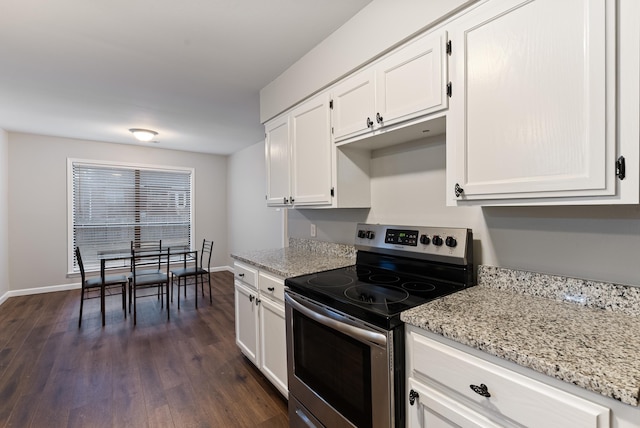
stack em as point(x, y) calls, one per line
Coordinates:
point(143, 134)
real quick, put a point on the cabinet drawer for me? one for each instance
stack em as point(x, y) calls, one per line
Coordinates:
point(271, 286)
point(512, 395)
point(245, 273)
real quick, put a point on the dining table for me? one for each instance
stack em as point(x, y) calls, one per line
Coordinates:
point(123, 259)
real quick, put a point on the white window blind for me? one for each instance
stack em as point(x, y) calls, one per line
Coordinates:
point(113, 205)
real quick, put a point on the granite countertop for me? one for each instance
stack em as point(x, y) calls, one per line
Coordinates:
point(588, 340)
point(300, 258)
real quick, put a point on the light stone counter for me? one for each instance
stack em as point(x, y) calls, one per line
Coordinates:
point(581, 332)
point(302, 257)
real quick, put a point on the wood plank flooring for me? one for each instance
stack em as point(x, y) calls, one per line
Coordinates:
point(187, 372)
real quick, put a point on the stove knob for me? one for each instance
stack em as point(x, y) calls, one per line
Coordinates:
point(362, 234)
point(370, 234)
point(450, 241)
point(424, 239)
point(437, 240)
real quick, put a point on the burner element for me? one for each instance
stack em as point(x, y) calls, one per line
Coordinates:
point(376, 294)
point(384, 279)
point(418, 286)
point(330, 279)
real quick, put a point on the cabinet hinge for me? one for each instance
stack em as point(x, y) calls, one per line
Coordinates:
point(332, 192)
point(331, 104)
point(449, 47)
point(621, 168)
point(449, 89)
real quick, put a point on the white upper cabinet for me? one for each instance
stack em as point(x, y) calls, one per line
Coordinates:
point(277, 155)
point(411, 82)
point(533, 107)
point(298, 155)
point(407, 84)
point(353, 105)
point(305, 169)
point(311, 152)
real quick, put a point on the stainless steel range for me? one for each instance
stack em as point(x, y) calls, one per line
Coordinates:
point(345, 339)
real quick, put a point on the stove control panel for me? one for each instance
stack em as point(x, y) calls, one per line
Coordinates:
point(450, 245)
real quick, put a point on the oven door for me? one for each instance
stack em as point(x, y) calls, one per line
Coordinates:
point(340, 369)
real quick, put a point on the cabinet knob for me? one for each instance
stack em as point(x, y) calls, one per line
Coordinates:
point(257, 301)
point(458, 190)
point(482, 390)
point(251, 297)
point(291, 199)
point(285, 200)
point(241, 275)
point(271, 288)
point(413, 395)
point(369, 123)
point(378, 118)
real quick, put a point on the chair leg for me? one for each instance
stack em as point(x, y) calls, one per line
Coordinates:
point(195, 278)
point(81, 304)
point(209, 281)
point(102, 308)
point(124, 299)
point(179, 293)
point(135, 313)
point(168, 307)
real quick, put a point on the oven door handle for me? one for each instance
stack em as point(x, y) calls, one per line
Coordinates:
point(337, 322)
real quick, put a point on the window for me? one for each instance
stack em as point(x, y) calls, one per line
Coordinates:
point(111, 205)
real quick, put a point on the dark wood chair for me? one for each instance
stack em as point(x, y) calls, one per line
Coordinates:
point(197, 271)
point(143, 278)
point(105, 283)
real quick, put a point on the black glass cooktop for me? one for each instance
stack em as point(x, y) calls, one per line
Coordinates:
point(371, 294)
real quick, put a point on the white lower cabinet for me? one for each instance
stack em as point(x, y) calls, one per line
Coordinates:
point(447, 387)
point(260, 322)
point(273, 345)
point(247, 322)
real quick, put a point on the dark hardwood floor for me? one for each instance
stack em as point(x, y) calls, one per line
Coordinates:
point(187, 372)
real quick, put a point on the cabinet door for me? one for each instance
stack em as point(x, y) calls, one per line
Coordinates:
point(273, 346)
point(277, 154)
point(354, 106)
point(411, 82)
point(532, 109)
point(311, 152)
point(247, 322)
point(430, 408)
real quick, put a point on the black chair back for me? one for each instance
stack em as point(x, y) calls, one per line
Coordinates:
point(80, 264)
point(207, 248)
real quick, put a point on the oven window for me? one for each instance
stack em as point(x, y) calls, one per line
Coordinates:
point(336, 366)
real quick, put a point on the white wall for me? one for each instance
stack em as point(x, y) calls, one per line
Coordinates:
point(4, 215)
point(378, 27)
point(252, 225)
point(38, 201)
point(408, 188)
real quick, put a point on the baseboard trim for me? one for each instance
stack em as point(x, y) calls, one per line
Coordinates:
point(67, 287)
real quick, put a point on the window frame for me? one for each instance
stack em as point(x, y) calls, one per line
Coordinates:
point(127, 165)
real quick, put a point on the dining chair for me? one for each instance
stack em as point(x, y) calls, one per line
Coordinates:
point(197, 271)
point(153, 265)
point(104, 283)
point(142, 277)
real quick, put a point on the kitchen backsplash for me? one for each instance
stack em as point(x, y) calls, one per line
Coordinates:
point(322, 247)
point(593, 294)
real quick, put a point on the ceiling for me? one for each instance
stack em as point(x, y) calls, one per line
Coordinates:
point(189, 69)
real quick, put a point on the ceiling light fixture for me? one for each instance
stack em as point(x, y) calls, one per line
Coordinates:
point(143, 134)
